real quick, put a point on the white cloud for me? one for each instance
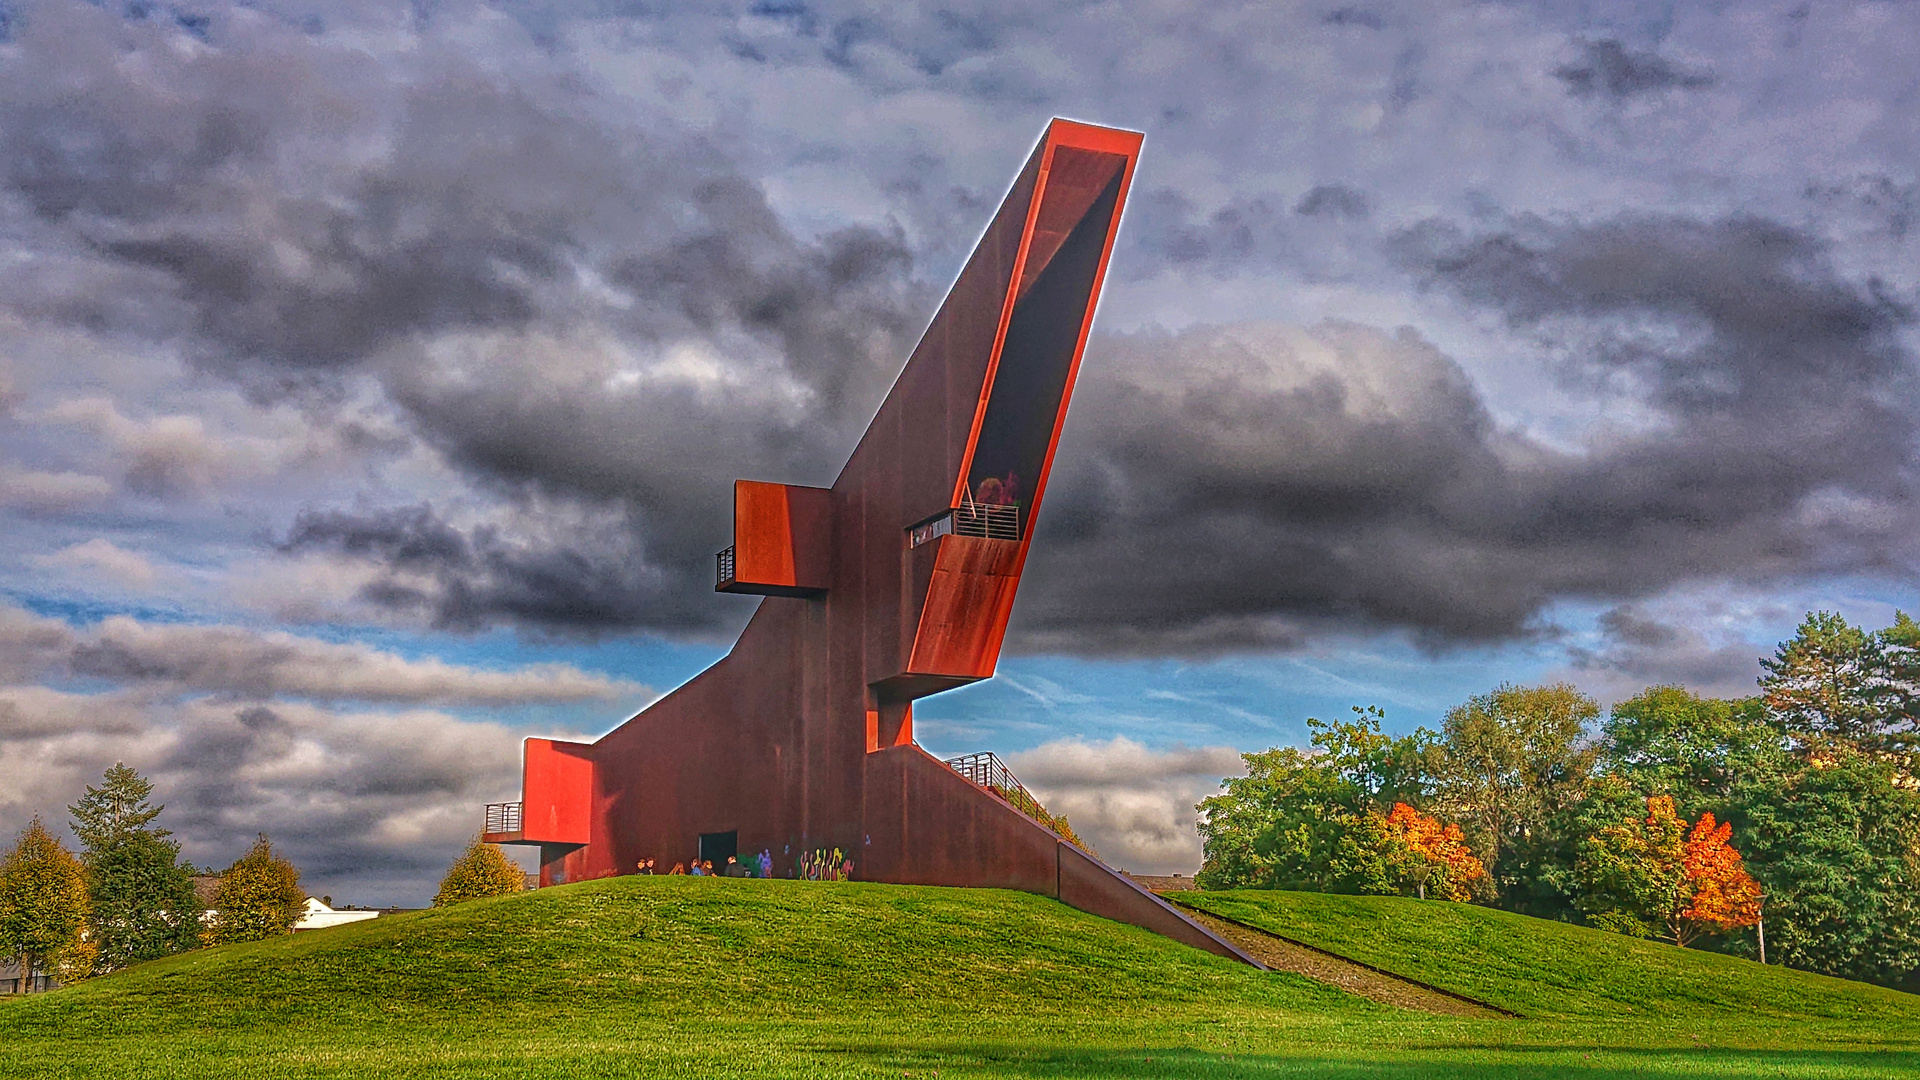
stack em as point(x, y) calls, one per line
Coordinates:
point(174, 454)
point(241, 663)
point(100, 557)
point(1132, 803)
point(36, 489)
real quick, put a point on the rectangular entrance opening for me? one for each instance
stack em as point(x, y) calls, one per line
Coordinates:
point(718, 847)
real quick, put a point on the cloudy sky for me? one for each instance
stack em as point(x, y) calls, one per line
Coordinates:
point(372, 375)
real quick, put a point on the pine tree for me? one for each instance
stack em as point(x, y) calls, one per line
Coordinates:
point(115, 810)
point(481, 871)
point(1893, 686)
point(142, 897)
point(1816, 683)
point(43, 908)
point(260, 896)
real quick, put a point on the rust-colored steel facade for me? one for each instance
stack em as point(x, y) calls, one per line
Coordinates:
point(895, 583)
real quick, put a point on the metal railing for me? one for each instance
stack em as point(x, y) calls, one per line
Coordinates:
point(723, 569)
point(979, 519)
point(504, 817)
point(988, 771)
point(995, 522)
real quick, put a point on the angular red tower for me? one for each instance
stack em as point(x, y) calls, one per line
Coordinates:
point(895, 583)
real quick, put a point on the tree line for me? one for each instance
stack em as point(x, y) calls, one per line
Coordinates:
point(1793, 814)
point(127, 896)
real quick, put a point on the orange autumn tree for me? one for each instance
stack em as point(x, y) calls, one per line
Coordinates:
point(1725, 897)
point(1660, 874)
point(1448, 865)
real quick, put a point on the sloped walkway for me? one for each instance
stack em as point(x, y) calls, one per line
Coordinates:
point(1285, 954)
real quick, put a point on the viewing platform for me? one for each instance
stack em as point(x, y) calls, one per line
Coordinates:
point(505, 824)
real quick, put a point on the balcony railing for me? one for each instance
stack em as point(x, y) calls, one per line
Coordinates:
point(989, 772)
point(723, 569)
point(993, 522)
point(977, 519)
point(503, 817)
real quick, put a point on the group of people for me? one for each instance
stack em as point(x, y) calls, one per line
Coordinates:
point(760, 866)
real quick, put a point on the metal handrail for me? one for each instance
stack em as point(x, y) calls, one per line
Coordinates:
point(993, 521)
point(723, 569)
point(986, 770)
point(504, 817)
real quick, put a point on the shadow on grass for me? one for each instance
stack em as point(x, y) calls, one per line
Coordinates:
point(1374, 1063)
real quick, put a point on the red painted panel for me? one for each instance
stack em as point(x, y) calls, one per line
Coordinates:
point(556, 792)
point(968, 602)
point(1074, 179)
point(782, 539)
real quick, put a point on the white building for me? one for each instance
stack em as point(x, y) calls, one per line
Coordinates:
point(319, 916)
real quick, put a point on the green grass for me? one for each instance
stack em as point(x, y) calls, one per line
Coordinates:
point(718, 977)
point(1549, 969)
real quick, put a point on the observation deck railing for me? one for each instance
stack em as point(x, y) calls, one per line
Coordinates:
point(993, 522)
point(723, 569)
point(504, 817)
point(987, 771)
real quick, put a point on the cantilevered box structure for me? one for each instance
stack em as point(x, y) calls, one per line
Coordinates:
point(894, 583)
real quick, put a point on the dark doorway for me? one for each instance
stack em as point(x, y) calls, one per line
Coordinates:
point(718, 847)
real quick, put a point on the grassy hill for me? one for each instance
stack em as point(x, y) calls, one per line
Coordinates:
point(1549, 969)
point(679, 976)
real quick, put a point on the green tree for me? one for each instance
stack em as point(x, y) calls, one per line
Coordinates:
point(1279, 826)
point(1667, 740)
point(1835, 842)
point(43, 908)
point(1893, 687)
point(1815, 684)
point(1631, 870)
point(260, 896)
point(1509, 763)
point(142, 896)
point(1317, 820)
point(481, 871)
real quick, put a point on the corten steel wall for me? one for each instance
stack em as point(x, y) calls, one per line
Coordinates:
point(801, 738)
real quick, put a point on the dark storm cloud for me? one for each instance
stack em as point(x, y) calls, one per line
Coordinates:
point(1249, 230)
point(427, 193)
point(582, 308)
point(1352, 15)
point(1245, 478)
point(1640, 648)
point(245, 731)
point(1887, 205)
point(1333, 200)
point(170, 660)
point(591, 581)
point(1609, 68)
point(597, 320)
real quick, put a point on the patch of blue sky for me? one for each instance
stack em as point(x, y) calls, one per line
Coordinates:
point(80, 610)
point(1249, 702)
